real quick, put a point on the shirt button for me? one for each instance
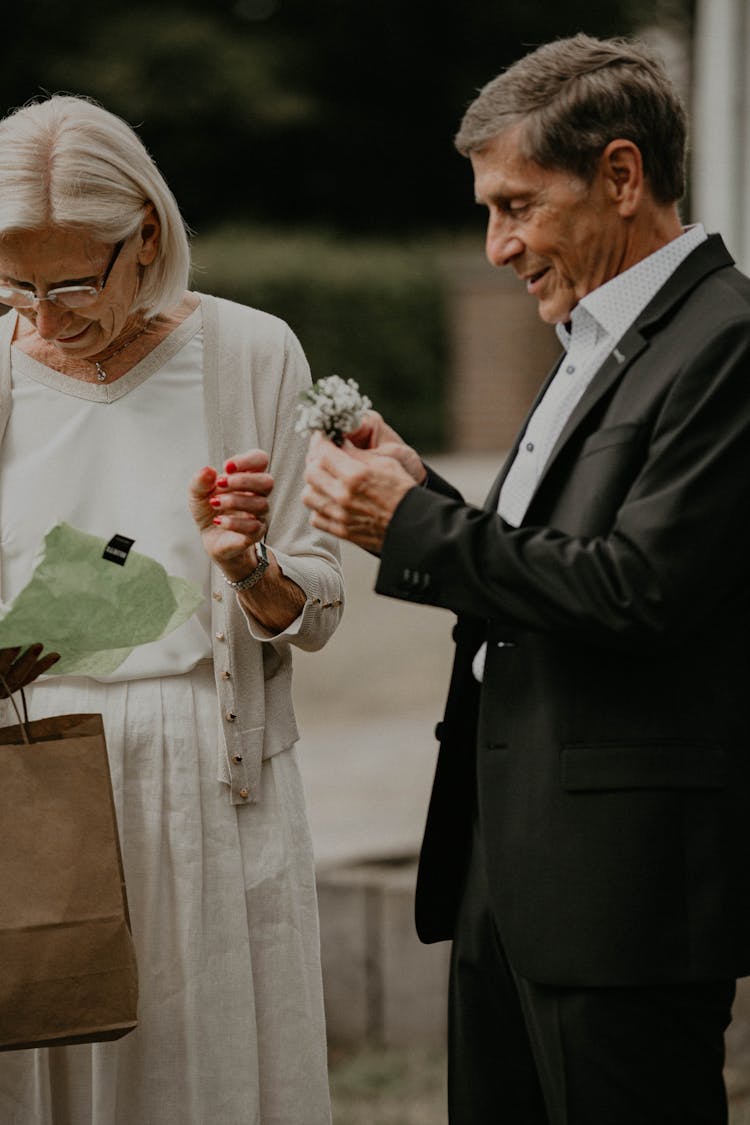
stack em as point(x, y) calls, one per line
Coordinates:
point(236, 758)
point(530, 446)
point(244, 793)
point(230, 716)
point(218, 596)
point(570, 369)
point(219, 636)
point(226, 674)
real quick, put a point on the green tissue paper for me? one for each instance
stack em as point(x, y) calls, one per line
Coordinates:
point(92, 611)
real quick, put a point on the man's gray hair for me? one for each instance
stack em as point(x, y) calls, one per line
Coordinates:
point(65, 161)
point(576, 95)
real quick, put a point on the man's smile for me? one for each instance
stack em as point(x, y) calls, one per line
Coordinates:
point(532, 279)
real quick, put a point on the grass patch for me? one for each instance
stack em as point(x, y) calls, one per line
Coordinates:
point(407, 1086)
point(388, 1086)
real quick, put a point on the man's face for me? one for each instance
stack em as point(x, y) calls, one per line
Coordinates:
point(562, 237)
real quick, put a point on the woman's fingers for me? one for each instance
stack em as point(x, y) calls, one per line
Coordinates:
point(235, 499)
point(238, 503)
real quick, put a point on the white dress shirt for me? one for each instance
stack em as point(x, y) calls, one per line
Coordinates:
point(597, 323)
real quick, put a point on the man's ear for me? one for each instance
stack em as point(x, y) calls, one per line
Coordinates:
point(621, 166)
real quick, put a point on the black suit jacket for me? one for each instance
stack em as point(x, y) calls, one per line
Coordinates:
point(609, 746)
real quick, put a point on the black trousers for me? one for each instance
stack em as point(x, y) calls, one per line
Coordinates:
point(521, 1053)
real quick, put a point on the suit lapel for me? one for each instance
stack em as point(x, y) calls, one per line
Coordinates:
point(607, 377)
point(710, 256)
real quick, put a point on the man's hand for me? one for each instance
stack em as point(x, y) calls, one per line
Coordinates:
point(352, 492)
point(375, 434)
point(19, 669)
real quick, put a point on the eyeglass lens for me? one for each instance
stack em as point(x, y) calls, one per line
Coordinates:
point(68, 296)
point(75, 297)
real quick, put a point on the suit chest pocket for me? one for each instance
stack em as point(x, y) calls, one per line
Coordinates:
point(612, 439)
point(599, 479)
point(660, 765)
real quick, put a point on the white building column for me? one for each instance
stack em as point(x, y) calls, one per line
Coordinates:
point(720, 135)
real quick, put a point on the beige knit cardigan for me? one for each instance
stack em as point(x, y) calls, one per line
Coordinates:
point(254, 370)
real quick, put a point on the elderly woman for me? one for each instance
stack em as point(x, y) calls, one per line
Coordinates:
point(116, 384)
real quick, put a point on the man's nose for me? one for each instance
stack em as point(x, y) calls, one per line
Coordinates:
point(503, 243)
point(49, 318)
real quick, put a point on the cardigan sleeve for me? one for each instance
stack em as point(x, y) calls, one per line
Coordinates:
point(308, 556)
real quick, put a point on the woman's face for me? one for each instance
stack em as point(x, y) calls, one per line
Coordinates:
point(53, 257)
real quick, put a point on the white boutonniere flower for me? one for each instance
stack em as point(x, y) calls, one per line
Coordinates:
point(333, 406)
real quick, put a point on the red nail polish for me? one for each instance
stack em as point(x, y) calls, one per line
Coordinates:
point(215, 502)
point(230, 467)
point(216, 520)
point(222, 482)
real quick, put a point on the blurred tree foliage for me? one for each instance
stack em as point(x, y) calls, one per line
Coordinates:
point(372, 310)
point(338, 113)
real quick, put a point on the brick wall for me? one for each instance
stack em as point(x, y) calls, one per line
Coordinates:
point(500, 353)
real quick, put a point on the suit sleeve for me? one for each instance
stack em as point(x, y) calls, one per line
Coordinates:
point(677, 553)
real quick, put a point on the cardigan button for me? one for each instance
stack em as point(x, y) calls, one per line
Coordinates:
point(244, 793)
point(230, 716)
point(218, 596)
point(226, 674)
point(236, 758)
point(220, 636)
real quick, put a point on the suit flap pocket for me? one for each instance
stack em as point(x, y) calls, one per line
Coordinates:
point(656, 766)
point(612, 435)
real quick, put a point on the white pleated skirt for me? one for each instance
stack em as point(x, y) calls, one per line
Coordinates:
point(224, 914)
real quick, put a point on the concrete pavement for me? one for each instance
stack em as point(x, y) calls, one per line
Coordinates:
point(367, 706)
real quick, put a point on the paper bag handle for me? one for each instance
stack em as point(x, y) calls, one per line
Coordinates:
point(22, 722)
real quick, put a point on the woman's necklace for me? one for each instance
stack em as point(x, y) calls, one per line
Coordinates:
point(101, 374)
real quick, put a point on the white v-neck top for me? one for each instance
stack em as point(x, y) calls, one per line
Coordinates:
point(112, 459)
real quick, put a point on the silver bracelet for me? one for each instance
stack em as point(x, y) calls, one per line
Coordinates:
point(255, 575)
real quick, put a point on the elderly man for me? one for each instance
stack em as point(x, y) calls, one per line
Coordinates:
point(586, 844)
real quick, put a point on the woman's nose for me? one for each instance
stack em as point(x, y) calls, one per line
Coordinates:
point(49, 318)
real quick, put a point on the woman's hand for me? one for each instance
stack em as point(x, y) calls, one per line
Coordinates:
point(231, 510)
point(18, 668)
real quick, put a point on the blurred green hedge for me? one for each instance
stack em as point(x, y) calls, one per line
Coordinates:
point(369, 311)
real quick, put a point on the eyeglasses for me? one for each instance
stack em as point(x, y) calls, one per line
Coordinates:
point(67, 296)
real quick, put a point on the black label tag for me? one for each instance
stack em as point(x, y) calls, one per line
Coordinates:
point(117, 549)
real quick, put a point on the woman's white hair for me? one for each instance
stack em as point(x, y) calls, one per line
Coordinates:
point(68, 162)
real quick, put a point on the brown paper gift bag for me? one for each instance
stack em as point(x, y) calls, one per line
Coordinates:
point(67, 960)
